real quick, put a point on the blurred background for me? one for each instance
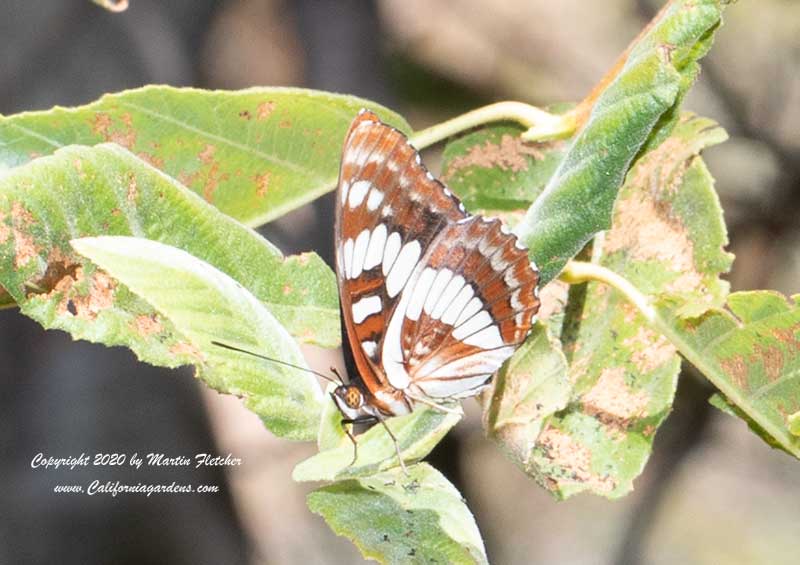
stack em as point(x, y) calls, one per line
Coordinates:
point(712, 492)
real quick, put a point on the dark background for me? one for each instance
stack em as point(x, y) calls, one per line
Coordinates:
point(712, 493)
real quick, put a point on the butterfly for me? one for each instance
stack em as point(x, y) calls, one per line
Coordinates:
point(433, 299)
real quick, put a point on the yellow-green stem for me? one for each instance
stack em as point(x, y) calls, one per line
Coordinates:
point(541, 125)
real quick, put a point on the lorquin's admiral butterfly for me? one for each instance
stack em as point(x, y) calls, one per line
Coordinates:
point(433, 300)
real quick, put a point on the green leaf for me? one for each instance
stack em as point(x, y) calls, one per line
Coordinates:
point(82, 191)
point(417, 433)
point(578, 201)
point(493, 170)
point(751, 351)
point(255, 154)
point(666, 238)
point(531, 386)
point(204, 304)
point(394, 518)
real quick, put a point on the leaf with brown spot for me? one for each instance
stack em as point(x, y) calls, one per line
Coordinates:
point(751, 352)
point(667, 238)
point(199, 136)
point(492, 169)
point(44, 205)
point(530, 387)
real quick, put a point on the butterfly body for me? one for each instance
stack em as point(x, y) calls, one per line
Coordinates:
point(433, 299)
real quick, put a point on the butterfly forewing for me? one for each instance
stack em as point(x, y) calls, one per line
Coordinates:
point(433, 299)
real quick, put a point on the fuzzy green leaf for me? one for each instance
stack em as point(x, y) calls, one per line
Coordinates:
point(255, 154)
point(203, 305)
point(394, 518)
point(578, 201)
point(105, 190)
point(417, 433)
point(667, 237)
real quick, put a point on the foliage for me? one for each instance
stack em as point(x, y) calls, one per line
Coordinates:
point(120, 224)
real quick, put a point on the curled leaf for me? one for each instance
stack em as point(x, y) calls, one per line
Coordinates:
point(204, 305)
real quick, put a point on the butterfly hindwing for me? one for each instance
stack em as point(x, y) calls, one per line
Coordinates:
point(479, 304)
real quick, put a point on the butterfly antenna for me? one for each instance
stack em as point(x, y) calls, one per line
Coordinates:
point(278, 361)
point(335, 371)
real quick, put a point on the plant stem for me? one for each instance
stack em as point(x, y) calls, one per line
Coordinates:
point(541, 125)
point(578, 272)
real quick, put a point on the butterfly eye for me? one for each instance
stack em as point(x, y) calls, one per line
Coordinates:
point(353, 397)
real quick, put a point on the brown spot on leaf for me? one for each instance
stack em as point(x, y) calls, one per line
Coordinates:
point(188, 179)
point(102, 121)
point(303, 259)
point(650, 349)
point(262, 184)
point(151, 159)
point(575, 459)
point(133, 188)
point(736, 368)
point(116, 211)
point(642, 232)
point(245, 115)
point(771, 359)
point(147, 325)
point(59, 268)
point(213, 177)
point(212, 182)
point(101, 290)
point(612, 402)
point(665, 51)
point(285, 124)
point(207, 154)
point(183, 348)
point(265, 109)
point(5, 231)
point(103, 126)
point(509, 154)
point(287, 290)
point(25, 248)
point(788, 336)
point(553, 299)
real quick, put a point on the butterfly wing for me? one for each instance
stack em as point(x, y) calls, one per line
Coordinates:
point(472, 303)
point(389, 209)
point(433, 300)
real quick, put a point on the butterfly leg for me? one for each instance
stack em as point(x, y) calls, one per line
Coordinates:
point(345, 422)
point(396, 445)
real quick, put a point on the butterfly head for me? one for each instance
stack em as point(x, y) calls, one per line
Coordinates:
point(350, 400)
